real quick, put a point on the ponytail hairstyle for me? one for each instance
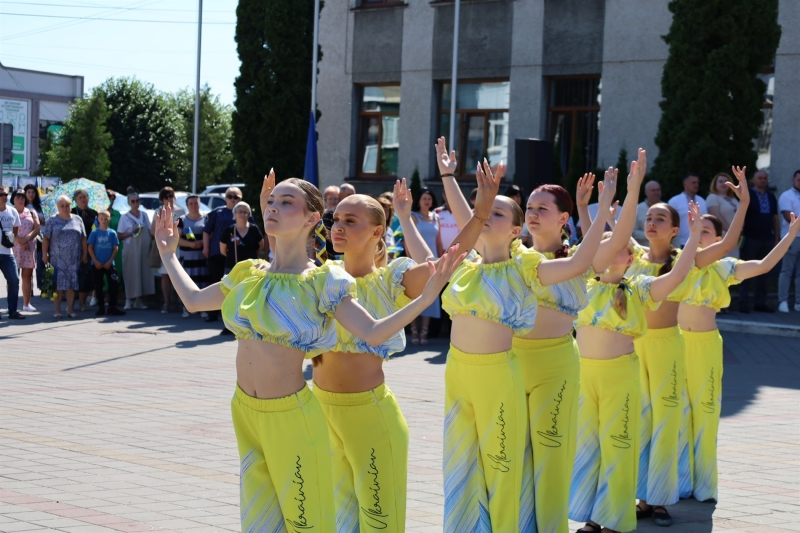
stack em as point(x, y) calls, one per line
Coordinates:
point(377, 217)
point(620, 299)
point(715, 222)
point(675, 218)
point(314, 203)
point(564, 204)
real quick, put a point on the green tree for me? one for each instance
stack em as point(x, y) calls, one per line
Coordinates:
point(214, 157)
point(416, 183)
point(145, 131)
point(712, 97)
point(82, 148)
point(273, 89)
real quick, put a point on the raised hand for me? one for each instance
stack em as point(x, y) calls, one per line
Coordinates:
point(488, 186)
point(607, 189)
point(695, 219)
point(742, 191)
point(442, 272)
point(584, 191)
point(166, 234)
point(638, 170)
point(266, 189)
point(447, 163)
point(401, 199)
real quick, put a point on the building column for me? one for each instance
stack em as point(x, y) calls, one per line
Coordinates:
point(527, 115)
point(786, 106)
point(417, 98)
point(633, 61)
point(335, 94)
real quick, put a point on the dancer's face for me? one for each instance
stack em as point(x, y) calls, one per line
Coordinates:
point(286, 211)
point(501, 226)
point(658, 224)
point(623, 260)
point(708, 234)
point(542, 215)
point(352, 229)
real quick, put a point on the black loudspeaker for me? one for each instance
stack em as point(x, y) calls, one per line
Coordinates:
point(533, 163)
point(7, 136)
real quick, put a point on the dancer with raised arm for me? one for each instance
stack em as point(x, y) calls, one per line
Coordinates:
point(279, 316)
point(604, 481)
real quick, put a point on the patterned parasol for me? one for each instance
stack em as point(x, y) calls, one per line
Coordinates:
point(98, 197)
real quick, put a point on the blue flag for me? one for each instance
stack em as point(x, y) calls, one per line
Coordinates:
point(311, 172)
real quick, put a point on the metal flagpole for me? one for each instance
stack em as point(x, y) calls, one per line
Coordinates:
point(196, 138)
point(454, 80)
point(314, 61)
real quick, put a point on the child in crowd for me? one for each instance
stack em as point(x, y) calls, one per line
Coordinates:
point(103, 247)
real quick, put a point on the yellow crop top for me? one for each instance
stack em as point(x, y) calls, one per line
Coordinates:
point(381, 293)
point(292, 310)
point(708, 287)
point(643, 267)
point(501, 292)
point(568, 296)
point(600, 312)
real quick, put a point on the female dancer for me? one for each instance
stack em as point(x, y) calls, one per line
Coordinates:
point(368, 434)
point(278, 316)
point(490, 299)
point(701, 296)
point(547, 355)
point(604, 481)
point(662, 364)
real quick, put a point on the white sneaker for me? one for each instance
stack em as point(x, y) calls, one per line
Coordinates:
point(139, 305)
point(29, 308)
point(165, 309)
point(203, 315)
point(186, 314)
point(93, 302)
point(783, 307)
point(128, 305)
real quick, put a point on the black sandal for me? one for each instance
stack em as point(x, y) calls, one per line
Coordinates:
point(661, 517)
point(643, 513)
point(595, 528)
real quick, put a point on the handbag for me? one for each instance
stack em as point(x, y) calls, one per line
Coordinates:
point(6, 237)
point(153, 257)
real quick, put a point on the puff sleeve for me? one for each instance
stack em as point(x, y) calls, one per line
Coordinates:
point(332, 284)
point(396, 270)
point(641, 286)
point(529, 260)
point(726, 268)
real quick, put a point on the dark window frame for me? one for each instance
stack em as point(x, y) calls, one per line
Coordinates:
point(573, 111)
point(462, 173)
point(360, 147)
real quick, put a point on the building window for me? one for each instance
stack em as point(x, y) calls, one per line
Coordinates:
point(482, 127)
point(763, 142)
point(573, 122)
point(379, 123)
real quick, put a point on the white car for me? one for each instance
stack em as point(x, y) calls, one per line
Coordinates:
point(221, 188)
point(149, 203)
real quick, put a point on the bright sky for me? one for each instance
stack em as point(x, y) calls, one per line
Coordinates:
point(60, 36)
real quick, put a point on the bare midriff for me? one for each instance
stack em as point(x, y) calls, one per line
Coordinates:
point(472, 334)
point(266, 370)
point(550, 324)
point(697, 318)
point(666, 316)
point(348, 372)
point(599, 343)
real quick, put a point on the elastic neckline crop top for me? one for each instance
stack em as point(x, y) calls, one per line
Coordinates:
point(644, 267)
point(501, 292)
point(568, 296)
point(708, 286)
point(600, 312)
point(381, 293)
point(292, 310)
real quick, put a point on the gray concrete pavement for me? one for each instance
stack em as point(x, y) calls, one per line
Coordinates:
point(124, 425)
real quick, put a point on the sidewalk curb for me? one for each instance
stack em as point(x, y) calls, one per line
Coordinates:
point(759, 328)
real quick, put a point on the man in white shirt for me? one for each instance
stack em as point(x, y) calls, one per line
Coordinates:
point(789, 203)
point(691, 185)
point(10, 222)
point(652, 195)
point(448, 229)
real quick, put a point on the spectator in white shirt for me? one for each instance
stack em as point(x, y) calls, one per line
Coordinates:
point(447, 223)
point(691, 186)
point(652, 195)
point(789, 203)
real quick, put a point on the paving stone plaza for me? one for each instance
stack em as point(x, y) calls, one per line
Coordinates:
point(124, 425)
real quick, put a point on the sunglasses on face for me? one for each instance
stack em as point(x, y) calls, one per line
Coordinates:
point(3, 194)
point(135, 201)
point(169, 197)
point(232, 197)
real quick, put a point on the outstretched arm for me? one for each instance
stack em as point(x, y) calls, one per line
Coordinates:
point(720, 249)
point(662, 286)
point(623, 229)
point(751, 269)
point(582, 196)
point(447, 167)
point(559, 270)
point(193, 298)
point(357, 320)
point(415, 278)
